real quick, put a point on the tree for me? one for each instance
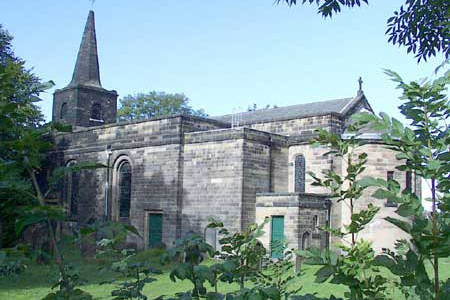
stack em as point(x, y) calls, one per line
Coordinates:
point(19, 90)
point(420, 25)
point(155, 104)
point(24, 143)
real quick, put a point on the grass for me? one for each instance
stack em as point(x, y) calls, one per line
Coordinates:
point(37, 280)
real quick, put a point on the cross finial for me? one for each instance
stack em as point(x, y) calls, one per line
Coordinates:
point(360, 82)
point(92, 4)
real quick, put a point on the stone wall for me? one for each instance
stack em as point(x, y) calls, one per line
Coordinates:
point(192, 124)
point(279, 168)
point(266, 207)
point(298, 210)
point(380, 232)
point(213, 179)
point(301, 127)
point(153, 149)
point(79, 101)
point(314, 162)
point(256, 166)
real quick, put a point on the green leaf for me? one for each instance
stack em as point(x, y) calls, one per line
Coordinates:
point(383, 261)
point(400, 224)
point(324, 273)
point(132, 229)
point(405, 210)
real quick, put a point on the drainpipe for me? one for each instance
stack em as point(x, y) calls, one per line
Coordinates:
point(108, 152)
point(270, 165)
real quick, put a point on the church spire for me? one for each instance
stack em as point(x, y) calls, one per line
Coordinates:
point(86, 70)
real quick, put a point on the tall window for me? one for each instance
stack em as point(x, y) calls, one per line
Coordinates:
point(124, 189)
point(299, 175)
point(408, 181)
point(96, 112)
point(63, 111)
point(71, 191)
point(315, 224)
point(305, 241)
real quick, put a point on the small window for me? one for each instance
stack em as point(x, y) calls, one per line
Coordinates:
point(299, 175)
point(389, 177)
point(63, 111)
point(96, 112)
point(124, 189)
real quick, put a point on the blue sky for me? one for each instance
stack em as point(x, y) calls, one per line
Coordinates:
point(223, 55)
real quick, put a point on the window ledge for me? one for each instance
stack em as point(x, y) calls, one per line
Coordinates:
point(95, 120)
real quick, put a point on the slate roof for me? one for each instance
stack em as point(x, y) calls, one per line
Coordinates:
point(339, 106)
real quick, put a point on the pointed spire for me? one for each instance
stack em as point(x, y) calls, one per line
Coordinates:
point(86, 70)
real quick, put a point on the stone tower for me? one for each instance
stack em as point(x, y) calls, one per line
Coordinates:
point(84, 102)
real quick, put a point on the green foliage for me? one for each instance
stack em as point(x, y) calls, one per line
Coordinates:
point(134, 274)
point(355, 268)
point(189, 253)
point(241, 252)
point(75, 294)
point(21, 134)
point(155, 104)
point(327, 7)
point(278, 274)
point(10, 267)
point(422, 26)
point(424, 149)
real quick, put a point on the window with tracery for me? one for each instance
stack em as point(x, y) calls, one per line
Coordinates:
point(124, 189)
point(299, 176)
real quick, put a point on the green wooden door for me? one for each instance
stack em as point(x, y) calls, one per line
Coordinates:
point(154, 230)
point(276, 240)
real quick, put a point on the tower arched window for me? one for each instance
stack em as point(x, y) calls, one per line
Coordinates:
point(63, 111)
point(96, 111)
point(71, 191)
point(299, 173)
point(124, 189)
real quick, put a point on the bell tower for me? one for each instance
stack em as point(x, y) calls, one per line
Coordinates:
point(84, 102)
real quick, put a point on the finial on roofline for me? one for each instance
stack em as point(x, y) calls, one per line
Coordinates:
point(360, 82)
point(92, 4)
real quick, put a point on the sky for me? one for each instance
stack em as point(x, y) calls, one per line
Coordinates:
point(223, 55)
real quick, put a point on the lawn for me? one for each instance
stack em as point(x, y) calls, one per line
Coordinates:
point(37, 280)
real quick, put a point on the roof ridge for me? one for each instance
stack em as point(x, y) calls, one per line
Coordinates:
point(288, 106)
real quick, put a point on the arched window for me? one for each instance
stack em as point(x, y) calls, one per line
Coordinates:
point(63, 111)
point(315, 224)
point(124, 189)
point(71, 191)
point(305, 241)
point(299, 175)
point(96, 112)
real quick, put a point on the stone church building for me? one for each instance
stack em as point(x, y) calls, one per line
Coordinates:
point(167, 176)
